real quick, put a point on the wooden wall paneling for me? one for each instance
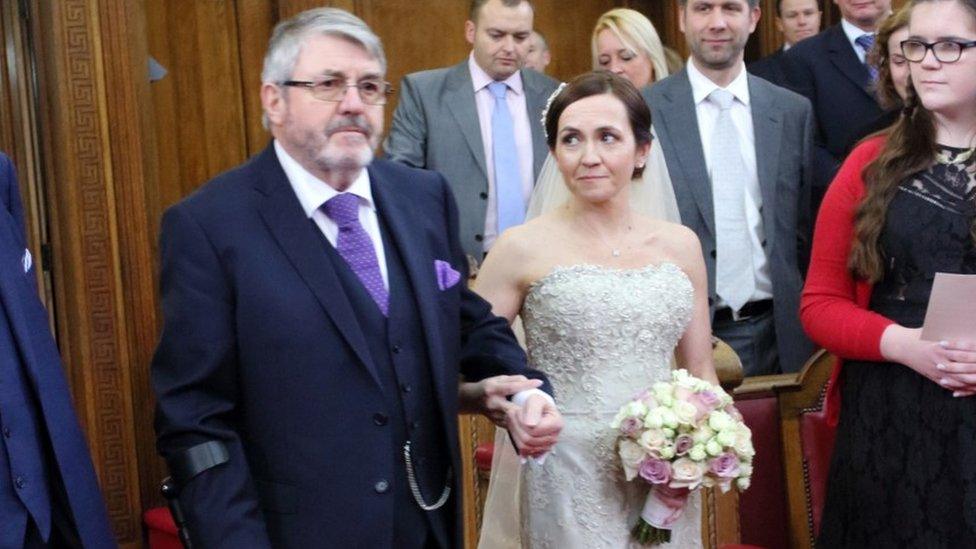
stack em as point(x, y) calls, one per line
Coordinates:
point(255, 19)
point(91, 313)
point(568, 30)
point(125, 54)
point(288, 8)
point(198, 107)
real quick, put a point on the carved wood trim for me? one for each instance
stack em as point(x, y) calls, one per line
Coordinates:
point(87, 268)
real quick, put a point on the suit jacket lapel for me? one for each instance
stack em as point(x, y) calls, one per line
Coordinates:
point(680, 122)
point(459, 96)
point(767, 123)
point(535, 101)
point(297, 237)
point(418, 260)
point(842, 56)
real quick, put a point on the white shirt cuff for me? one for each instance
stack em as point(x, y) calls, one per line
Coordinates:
point(520, 397)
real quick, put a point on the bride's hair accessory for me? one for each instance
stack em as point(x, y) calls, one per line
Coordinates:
point(545, 111)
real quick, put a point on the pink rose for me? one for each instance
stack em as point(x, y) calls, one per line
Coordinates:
point(631, 426)
point(705, 402)
point(686, 473)
point(647, 398)
point(682, 393)
point(655, 471)
point(725, 465)
point(734, 412)
point(682, 444)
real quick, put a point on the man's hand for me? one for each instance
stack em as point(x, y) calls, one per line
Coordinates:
point(535, 426)
point(490, 396)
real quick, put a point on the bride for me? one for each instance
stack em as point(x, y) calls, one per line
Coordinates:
point(606, 295)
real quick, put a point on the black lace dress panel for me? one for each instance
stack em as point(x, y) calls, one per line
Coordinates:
point(903, 473)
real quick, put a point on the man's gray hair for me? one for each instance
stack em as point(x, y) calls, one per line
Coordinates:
point(289, 35)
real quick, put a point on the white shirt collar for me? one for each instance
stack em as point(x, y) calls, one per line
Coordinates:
point(480, 78)
point(701, 86)
point(312, 192)
point(853, 32)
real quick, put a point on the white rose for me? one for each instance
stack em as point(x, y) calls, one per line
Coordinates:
point(745, 469)
point(683, 379)
point(654, 419)
point(686, 473)
point(666, 452)
point(697, 452)
point(652, 440)
point(685, 412)
point(713, 447)
point(668, 432)
point(661, 390)
point(726, 438)
point(742, 484)
point(703, 434)
point(669, 417)
point(631, 455)
point(720, 421)
point(743, 442)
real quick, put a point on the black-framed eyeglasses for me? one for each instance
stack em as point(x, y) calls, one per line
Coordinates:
point(373, 92)
point(945, 51)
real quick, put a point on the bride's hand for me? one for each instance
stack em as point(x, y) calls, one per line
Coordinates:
point(490, 396)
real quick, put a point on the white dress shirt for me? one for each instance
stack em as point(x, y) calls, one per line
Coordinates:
point(312, 192)
point(853, 33)
point(707, 114)
point(515, 97)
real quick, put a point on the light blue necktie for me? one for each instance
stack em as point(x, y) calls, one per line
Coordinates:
point(866, 41)
point(508, 183)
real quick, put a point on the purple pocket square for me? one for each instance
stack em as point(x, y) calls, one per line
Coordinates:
point(446, 275)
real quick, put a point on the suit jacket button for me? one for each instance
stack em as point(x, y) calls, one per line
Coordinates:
point(381, 486)
point(479, 237)
point(712, 253)
point(380, 419)
point(483, 195)
point(19, 482)
point(6, 432)
point(395, 349)
point(406, 387)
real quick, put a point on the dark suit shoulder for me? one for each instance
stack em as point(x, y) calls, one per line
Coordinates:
point(402, 176)
point(232, 189)
point(814, 49)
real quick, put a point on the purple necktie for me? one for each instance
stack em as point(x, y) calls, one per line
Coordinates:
point(866, 41)
point(355, 246)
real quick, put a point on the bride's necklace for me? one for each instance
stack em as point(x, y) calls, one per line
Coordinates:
point(615, 251)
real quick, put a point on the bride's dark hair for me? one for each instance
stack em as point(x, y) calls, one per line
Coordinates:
point(598, 83)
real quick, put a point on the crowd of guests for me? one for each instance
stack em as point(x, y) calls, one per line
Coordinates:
point(320, 337)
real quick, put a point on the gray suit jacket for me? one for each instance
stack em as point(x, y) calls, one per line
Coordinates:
point(435, 126)
point(783, 125)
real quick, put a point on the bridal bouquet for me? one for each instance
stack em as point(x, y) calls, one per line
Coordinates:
point(678, 436)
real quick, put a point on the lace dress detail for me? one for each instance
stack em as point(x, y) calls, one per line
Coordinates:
point(903, 472)
point(601, 335)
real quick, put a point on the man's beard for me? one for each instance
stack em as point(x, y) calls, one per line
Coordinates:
point(333, 158)
point(717, 60)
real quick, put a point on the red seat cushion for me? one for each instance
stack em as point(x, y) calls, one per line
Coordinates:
point(162, 529)
point(762, 508)
point(817, 441)
point(482, 456)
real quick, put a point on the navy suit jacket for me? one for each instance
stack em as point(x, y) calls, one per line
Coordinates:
point(39, 356)
point(261, 350)
point(770, 68)
point(826, 70)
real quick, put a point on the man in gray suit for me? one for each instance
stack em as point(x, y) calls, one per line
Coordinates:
point(478, 123)
point(738, 151)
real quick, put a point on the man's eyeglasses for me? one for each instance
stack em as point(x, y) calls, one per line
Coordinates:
point(945, 51)
point(373, 92)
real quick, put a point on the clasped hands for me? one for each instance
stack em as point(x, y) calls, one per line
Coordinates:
point(532, 419)
point(951, 364)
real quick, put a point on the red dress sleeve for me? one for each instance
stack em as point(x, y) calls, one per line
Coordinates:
point(833, 307)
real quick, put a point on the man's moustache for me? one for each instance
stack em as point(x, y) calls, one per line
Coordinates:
point(345, 124)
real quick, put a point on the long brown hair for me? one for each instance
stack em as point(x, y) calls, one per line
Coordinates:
point(910, 147)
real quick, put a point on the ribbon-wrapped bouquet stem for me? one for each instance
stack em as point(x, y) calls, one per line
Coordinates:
point(679, 436)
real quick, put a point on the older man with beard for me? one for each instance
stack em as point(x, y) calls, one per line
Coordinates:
point(738, 152)
point(316, 320)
